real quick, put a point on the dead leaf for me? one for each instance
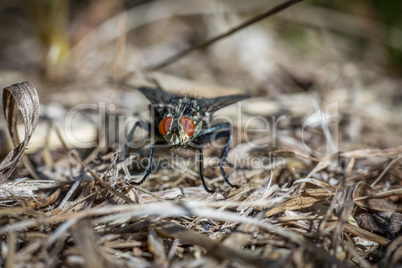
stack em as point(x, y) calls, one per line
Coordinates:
point(24, 97)
point(35, 204)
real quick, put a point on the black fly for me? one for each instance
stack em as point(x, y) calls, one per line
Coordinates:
point(185, 122)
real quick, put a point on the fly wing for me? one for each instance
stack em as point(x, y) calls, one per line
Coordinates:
point(156, 96)
point(211, 105)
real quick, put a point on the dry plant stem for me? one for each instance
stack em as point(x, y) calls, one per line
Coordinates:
point(12, 241)
point(18, 210)
point(156, 247)
point(299, 154)
point(386, 170)
point(381, 194)
point(243, 25)
point(62, 229)
point(92, 155)
point(104, 185)
point(60, 137)
point(344, 204)
point(348, 170)
point(367, 153)
point(93, 255)
point(218, 250)
point(148, 192)
point(172, 249)
point(30, 168)
point(79, 201)
point(305, 218)
point(357, 231)
point(73, 188)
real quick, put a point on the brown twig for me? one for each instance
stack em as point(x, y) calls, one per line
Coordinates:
point(104, 184)
point(208, 42)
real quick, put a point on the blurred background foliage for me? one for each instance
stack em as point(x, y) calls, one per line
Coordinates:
point(388, 16)
point(52, 28)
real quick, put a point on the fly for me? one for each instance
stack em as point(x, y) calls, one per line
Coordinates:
point(185, 122)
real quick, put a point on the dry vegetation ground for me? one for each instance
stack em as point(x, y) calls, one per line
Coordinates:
point(327, 194)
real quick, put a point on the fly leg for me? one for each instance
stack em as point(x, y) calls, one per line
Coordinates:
point(151, 153)
point(202, 172)
point(229, 139)
point(221, 130)
point(142, 124)
point(149, 168)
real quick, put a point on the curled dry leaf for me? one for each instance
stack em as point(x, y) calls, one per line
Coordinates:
point(24, 97)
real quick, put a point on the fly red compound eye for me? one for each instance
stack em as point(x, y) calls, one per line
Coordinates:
point(188, 125)
point(164, 125)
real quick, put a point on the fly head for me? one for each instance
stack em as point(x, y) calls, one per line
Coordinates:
point(180, 119)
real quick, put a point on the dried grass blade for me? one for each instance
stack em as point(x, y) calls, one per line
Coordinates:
point(24, 97)
point(367, 153)
point(156, 247)
point(295, 203)
point(12, 241)
point(366, 196)
point(357, 231)
point(216, 249)
point(94, 256)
